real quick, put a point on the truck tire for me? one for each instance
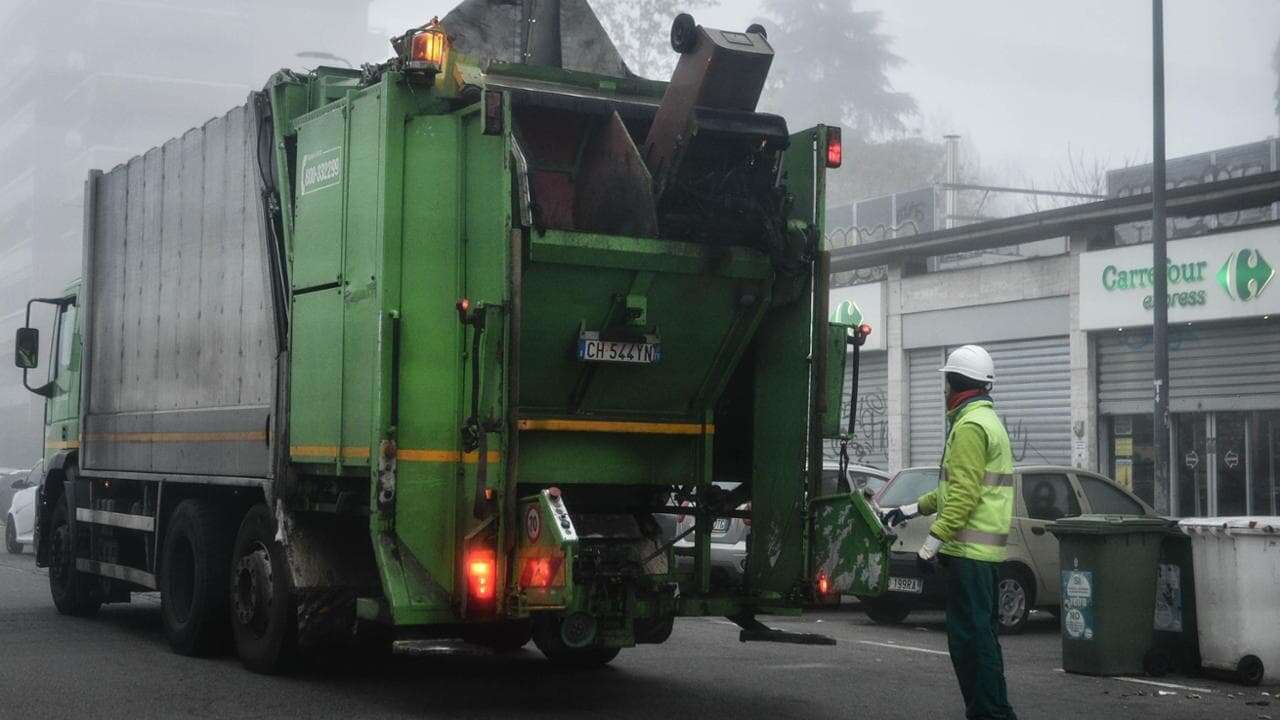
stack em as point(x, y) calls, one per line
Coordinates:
point(194, 561)
point(546, 636)
point(263, 612)
point(885, 610)
point(73, 591)
point(11, 543)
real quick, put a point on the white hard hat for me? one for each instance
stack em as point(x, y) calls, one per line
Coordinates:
point(972, 362)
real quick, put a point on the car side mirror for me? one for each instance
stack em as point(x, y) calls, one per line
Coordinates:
point(26, 348)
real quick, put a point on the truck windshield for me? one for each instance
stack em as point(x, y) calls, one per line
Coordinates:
point(907, 487)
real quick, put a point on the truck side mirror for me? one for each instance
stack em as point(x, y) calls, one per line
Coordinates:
point(26, 345)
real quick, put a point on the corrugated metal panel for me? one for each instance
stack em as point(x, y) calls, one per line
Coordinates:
point(926, 423)
point(1211, 367)
point(871, 430)
point(1032, 396)
point(181, 342)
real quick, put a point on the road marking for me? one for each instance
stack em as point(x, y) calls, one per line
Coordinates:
point(1171, 686)
point(903, 647)
point(800, 666)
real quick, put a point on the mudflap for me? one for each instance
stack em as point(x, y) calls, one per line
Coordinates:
point(849, 547)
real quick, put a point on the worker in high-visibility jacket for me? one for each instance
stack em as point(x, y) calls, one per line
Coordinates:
point(974, 504)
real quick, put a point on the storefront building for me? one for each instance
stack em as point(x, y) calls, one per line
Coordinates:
point(1070, 334)
point(1224, 365)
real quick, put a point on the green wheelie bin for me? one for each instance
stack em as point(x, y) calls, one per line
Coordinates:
point(1109, 573)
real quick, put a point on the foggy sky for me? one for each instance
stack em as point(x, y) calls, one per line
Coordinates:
point(1020, 79)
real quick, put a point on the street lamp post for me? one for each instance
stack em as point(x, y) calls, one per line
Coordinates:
point(1160, 276)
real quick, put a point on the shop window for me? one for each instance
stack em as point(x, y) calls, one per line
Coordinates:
point(1049, 497)
point(1105, 499)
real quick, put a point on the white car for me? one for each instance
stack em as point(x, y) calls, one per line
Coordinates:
point(20, 522)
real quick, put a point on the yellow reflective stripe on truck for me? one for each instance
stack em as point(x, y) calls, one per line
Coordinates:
point(607, 426)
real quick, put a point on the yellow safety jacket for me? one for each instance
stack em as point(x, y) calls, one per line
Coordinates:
point(974, 499)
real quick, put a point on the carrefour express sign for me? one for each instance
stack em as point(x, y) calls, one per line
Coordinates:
point(1215, 277)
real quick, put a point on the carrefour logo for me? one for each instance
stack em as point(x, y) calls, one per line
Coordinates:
point(847, 313)
point(1245, 275)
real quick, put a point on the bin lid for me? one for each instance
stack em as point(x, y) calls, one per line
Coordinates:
point(1245, 525)
point(1110, 525)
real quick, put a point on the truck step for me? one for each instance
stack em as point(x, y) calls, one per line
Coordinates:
point(755, 631)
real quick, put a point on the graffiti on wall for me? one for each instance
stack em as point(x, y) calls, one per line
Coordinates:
point(870, 438)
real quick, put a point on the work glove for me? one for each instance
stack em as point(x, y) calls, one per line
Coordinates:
point(927, 558)
point(896, 516)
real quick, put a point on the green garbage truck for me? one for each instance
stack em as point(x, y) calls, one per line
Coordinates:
point(435, 347)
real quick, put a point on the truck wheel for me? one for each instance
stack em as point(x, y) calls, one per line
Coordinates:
point(546, 636)
point(263, 612)
point(1013, 600)
point(193, 578)
point(885, 610)
point(72, 590)
point(11, 537)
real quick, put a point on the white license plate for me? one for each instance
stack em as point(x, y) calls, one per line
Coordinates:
point(643, 353)
point(721, 525)
point(907, 585)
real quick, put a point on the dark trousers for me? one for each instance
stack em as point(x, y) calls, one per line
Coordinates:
point(972, 623)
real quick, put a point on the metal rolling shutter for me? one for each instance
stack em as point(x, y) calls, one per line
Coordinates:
point(871, 431)
point(926, 421)
point(1211, 367)
point(1032, 396)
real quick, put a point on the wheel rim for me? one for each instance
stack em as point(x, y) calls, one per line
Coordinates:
point(1013, 602)
point(252, 590)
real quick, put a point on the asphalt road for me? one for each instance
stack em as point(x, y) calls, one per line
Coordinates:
point(118, 666)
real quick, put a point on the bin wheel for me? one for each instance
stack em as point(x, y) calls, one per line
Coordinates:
point(547, 637)
point(1157, 662)
point(886, 611)
point(1250, 670)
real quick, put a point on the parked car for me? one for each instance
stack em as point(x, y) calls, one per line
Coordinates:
point(728, 542)
point(1029, 578)
point(863, 478)
point(20, 521)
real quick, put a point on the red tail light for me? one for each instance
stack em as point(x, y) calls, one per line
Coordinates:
point(823, 585)
point(835, 148)
point(865, 329)
point(481, 574)
point(540, 572)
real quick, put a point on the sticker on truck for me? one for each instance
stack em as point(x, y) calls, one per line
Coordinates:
point(321, 170)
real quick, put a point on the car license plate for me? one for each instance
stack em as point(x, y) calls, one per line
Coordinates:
point(907, 585)
point(721, 526)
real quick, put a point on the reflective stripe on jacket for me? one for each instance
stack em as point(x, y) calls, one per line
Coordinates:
point(974, 499)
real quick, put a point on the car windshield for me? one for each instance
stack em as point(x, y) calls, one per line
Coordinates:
point(907, 487)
